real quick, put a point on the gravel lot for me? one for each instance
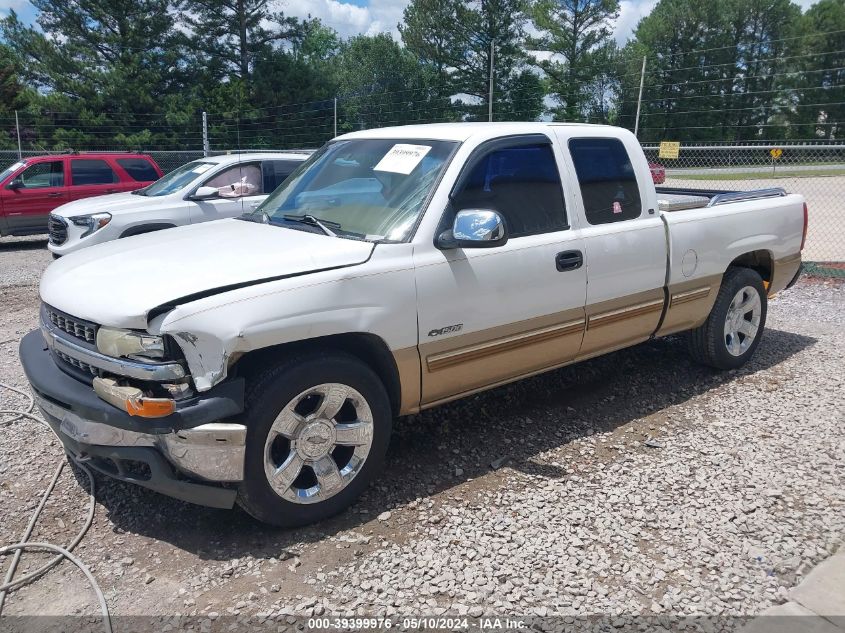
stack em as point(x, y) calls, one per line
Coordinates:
point(637, 483)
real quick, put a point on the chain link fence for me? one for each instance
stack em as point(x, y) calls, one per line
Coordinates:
point(817, 171)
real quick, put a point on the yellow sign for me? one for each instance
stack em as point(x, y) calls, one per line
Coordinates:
point(776, 153)
point(669, 149)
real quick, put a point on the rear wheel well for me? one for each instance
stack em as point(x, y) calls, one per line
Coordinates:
point(760, 261)
point(368, 348)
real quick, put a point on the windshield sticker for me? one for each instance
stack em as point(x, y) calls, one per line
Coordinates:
point(402, 158)
point(201, 168)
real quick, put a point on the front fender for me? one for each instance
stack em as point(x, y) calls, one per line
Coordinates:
point(213, 331)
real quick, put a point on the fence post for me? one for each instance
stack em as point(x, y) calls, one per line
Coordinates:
point(490, 98)
point(335, 117)
point(639, 99)
point(205, 147)
point(18, 132)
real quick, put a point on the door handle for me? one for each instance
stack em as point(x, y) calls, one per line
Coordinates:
point(54, 195)
point(569, 260)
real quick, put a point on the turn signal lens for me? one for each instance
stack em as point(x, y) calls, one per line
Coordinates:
point(150, 407)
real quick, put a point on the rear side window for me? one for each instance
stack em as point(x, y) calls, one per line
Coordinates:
point(275, 172)
point(139, 169)
point(91, 171)
point(606, 176)
point(523, 184)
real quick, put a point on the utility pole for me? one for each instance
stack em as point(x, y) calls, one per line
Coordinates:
point(205, 147)
point(639, 99)
point(18, 132)
point(335, 117)
point(490, 98)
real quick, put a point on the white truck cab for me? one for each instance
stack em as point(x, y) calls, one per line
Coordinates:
point(261, 360)
point(210, 188)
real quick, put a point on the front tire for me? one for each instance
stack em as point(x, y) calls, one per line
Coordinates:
point(318, 428)
point(731, 333)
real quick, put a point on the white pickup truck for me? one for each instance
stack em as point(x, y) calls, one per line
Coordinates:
point(203, 190)
point(261, 360)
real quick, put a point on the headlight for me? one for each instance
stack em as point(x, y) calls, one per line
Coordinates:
point(125, 343)
point(94, 222)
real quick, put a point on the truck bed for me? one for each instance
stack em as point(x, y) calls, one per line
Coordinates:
point(679, 199)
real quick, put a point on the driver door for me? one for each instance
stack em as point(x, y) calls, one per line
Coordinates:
point(38, 189)
point(234, 184)
point(491, 315)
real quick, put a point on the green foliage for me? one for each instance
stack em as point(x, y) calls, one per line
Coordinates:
point(494, 27)
point(577, 33)
point(230, 35)
point(137, 74)
point(380, 83)
point(721, 70)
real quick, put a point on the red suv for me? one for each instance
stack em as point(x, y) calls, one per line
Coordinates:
point(33, 187)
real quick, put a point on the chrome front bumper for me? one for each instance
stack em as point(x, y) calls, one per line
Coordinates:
point(212, 452)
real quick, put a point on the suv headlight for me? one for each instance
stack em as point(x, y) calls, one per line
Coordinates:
point(94, 222)
point(114, 342)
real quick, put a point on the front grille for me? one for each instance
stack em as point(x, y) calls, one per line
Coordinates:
point(75, 327)
point(73, 362)
point(57, 228)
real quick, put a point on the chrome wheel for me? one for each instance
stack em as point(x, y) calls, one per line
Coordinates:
point(318, 443)
point(742, 321)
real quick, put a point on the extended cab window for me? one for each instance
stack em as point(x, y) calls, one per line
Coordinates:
point(606, 176)
point(523, 184)
point(42, 175)
point(91, 171)
point(139, 169)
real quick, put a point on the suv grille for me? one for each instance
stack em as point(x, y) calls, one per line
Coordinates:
point(80, 329)
point(57, 228)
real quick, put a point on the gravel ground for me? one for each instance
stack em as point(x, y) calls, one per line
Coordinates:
point(636, 483)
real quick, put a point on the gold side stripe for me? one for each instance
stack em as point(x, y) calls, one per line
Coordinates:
point(690, 295)
point(482, 350)
point(623, 314)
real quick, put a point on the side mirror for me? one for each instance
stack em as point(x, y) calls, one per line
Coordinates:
point(17, 183)
point(475, 228)
point(205, 193)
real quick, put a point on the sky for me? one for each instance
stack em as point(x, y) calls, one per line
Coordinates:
point(351, 17)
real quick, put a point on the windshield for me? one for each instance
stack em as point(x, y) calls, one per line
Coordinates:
point(176, 179)
point(372, 189)
point(10, 170)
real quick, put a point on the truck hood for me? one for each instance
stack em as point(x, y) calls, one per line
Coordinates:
point(114, 203)
point(117, 283)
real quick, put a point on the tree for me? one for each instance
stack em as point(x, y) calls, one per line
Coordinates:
point(101, 68)
point(11, 90)
point(820, 104)
point(107, 53)
point(428, 32)
point(715, 71)
point(576, 33)
point(231, 34)
point(493, 27)
point(380, 83)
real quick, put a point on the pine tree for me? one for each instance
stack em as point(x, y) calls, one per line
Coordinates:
point(576, 35)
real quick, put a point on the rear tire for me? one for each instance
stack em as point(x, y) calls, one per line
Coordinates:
point(731, 333)
point(318, 428)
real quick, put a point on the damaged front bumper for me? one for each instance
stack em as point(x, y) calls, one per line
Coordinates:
point(186, 455)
